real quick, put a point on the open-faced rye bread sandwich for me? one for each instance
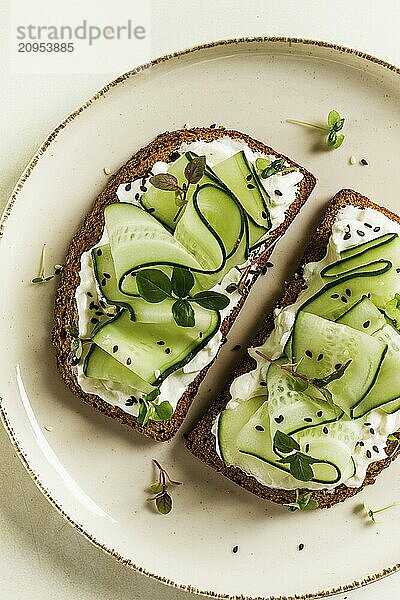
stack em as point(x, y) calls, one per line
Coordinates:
point(161, 265)
point(309, 416)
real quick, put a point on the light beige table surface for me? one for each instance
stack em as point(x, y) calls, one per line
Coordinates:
point(42, 557)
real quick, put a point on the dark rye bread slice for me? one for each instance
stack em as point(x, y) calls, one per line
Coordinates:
point(201, 442)
point(163, 148)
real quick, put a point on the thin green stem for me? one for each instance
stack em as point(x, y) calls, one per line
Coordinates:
point(378, 510)
point(183, 200)
point(306, 124)
point(295, 374)
point(42, 262)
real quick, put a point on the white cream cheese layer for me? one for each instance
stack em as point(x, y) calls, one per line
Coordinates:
point(352, 226)
point(175, 384)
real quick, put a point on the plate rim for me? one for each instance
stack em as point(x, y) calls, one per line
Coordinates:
point(3, 220)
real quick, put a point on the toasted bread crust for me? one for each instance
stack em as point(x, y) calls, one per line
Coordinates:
point(201, 442)
point(89, 233)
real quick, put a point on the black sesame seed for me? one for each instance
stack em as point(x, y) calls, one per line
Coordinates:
point(103, 304)
point(307, 448)
point(92, 305)
point(375, 449)
point(368, 225)
point(348, 292)
point(364, 162)
point(237, 347)
point(200, 334)
point(347, 236)
point(110, 314)
point(143, 188)
point(99, 313)
point(367, 424)
point(174, 156)
point(128, 361)
point(107, 275)
point(133, 273)
point(366, 324)
point(368, 454)
point(269, 264)
point(161, 343)
point(372, 431)
point(167, 350)
point(264, 214)
point(320, 357)
point(128, 187)
point(259, 428)
point(325, 430)
point(94, 320)
point(376, 229)
point(278, 193)
point(343, 299)
point(213, 126)
point(251, 186)
point(361, 443)
point(309, 353)
point(99, 252)
point(360, 232)
point(334, 296)
point(307, 419)
point(129, 402)
point(338, 366)
point(301, 547)
point(185, 435)
point(103, 282)
point(319, 413)
point(279, 419)
point(137, 196)
point(263, 383)
point(249, 177)
point(151, 209)
point(90, 294)
point(115, 348)
point(235, 549)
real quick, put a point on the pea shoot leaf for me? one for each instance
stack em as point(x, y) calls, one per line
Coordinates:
point(165, 181)
point(182, 281)
point(284, 443)
point(153, 285)
point(211, 300)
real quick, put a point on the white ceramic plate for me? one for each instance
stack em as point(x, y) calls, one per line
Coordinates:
point(96, 471)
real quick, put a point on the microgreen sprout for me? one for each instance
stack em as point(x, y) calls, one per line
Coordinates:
point(305, 502)
point(150, 409)
point(194, 171)
point(334, 124)
point(371, 513)
point(318, 384)
point(41, 276)
point(155, 286)
point(162, 498)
